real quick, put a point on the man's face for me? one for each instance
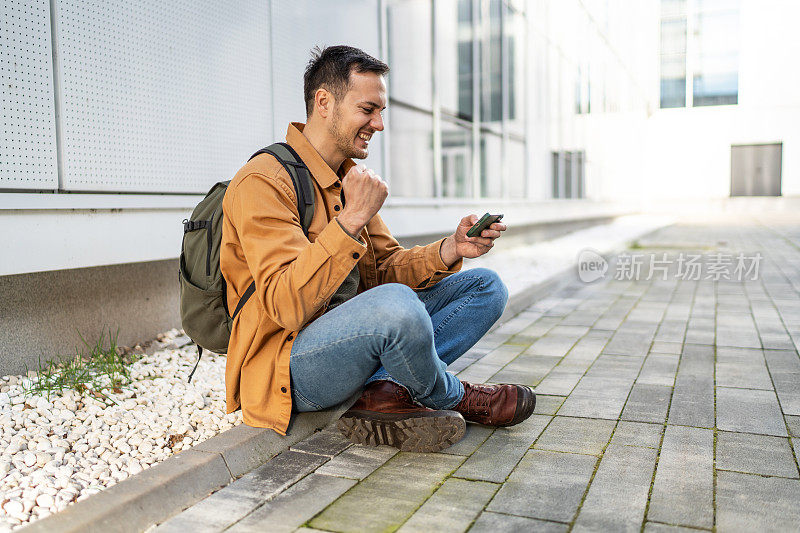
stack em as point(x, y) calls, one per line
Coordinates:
point(357, 116)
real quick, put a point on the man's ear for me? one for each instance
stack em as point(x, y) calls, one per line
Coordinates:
point(323, 102)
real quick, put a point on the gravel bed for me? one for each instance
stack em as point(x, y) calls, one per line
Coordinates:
point(69, 447)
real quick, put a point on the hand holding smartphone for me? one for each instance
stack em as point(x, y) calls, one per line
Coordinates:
point(484, 222)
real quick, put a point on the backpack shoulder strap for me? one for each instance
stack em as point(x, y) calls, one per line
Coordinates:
point(301, 179)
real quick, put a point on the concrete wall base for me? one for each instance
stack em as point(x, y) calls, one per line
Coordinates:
point(41, 313)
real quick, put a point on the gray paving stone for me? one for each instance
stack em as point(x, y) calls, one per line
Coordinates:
point(559, 382)
point(637, 434)
point(553, 345)
point(647, 403)
point(749, 411)
point(589, 346)
point(669, 336)
point(479, 372)
point(451, 508)
point(489, 522)
point(684, 483)
point(787, 387)
point(502, 355)
point(547, 405)
point(667, 347)
point(526, 369)
point(294, 506)
point(357, 462)
point(618, 367)
point(793, 423)
point(755, 454)
point(515, 325)
point(328, 442)
point(597, 397)
point(743, 368)
point(474, 437)
point(236, 500)
point(754, 503)
point(545, 485)
point(659, 369)
point(655, 527)
point(541, 326)
point(693, 396)
point(629, 344)
point(498, 456)
point(576, 435)
point(617, 497)
point(418, 474)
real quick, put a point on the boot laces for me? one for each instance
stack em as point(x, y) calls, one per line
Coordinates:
point(479, 397)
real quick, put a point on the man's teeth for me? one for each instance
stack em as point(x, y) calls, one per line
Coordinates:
point(364, 136)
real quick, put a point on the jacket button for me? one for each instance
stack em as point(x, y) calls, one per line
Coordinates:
point(355, 255)
point(336, 208)
point(283, 389)
point(290, 337)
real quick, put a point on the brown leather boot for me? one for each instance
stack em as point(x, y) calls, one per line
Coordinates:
point(386, 414)
point(496, 405)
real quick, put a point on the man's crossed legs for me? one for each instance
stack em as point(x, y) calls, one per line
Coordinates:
point(399, 342)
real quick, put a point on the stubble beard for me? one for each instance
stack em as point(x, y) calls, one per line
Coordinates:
point(344, 142)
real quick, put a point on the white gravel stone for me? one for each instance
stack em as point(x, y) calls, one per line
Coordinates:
point(65, 448)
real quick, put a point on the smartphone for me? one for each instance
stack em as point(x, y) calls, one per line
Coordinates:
point(485, 221)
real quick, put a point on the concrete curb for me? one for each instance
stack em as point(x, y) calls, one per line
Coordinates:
point(165, 489)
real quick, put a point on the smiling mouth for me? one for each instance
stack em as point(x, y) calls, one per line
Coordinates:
point(365, 136)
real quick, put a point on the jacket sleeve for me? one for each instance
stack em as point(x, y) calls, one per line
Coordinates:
point(419, 267)
point(293, 276)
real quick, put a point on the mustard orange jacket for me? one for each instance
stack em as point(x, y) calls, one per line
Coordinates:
point(295, 276)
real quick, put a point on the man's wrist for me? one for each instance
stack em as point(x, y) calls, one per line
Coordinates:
point(447, 251)
point(350, 226)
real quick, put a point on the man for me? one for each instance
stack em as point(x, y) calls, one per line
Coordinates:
point(347, 309)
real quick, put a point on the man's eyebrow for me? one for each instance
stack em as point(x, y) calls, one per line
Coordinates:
point(373, 104)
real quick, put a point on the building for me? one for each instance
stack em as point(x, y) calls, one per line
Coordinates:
point(117, 117)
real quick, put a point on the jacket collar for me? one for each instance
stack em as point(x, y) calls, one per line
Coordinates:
point(324, 175)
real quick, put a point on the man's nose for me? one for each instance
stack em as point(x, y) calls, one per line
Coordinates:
point(377, 123)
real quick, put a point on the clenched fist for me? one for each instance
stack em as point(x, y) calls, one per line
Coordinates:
point(364, 192)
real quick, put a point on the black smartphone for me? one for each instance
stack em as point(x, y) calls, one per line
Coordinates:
point(485, 221)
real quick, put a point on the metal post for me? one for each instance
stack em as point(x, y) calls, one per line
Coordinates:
point(59, 129)
point(438, 189)
point(476, 132)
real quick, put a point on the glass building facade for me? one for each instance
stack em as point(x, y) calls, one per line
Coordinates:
point(456, 98)
point(699, 52)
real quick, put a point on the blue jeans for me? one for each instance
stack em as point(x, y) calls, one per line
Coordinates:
point(392, 332)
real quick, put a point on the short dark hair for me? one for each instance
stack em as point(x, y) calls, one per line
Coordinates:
point(330, 68)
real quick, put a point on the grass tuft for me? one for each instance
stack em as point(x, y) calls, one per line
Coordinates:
point(93, 371)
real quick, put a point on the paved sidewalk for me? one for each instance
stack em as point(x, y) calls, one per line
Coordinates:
point(661, 403)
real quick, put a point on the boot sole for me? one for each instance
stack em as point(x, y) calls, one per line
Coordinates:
point(414, 433)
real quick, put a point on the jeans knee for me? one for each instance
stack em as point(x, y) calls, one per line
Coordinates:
point(399, 308)
point(496, 292)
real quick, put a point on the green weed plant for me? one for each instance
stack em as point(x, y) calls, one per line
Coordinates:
point(94, 370)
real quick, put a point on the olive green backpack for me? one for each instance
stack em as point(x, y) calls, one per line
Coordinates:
point(204, 308)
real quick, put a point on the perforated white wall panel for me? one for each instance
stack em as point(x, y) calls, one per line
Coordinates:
point(161, 96)
point(28, 148)
point(300, 25)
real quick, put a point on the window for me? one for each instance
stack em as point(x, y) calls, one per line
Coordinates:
point(568, 177)
point(410, 58)
point(673, 53)
point(708, 38)
point(715, 80)
point(456, 160)
point(411, 153)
